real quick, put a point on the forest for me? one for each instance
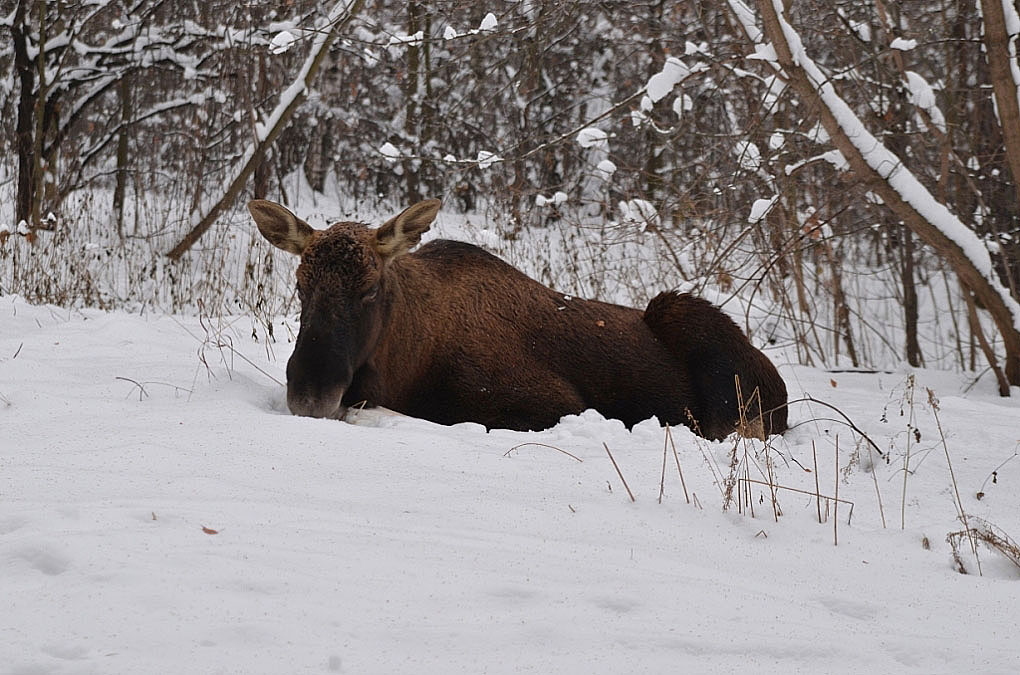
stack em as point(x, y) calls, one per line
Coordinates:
point(840, 178)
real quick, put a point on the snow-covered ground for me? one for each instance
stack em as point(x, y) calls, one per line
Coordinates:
point(161, 512)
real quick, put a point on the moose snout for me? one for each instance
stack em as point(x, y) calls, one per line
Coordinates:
point(316, 405)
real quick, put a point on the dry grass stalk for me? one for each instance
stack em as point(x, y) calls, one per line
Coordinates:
point(992, 536)
point(818, 490)
point(827, 498)
point(933, 403)
point(676, 456)
point(835, 501)
point(878, 493)
point(618, 472)
point(906, 458)
point(665, 452)
point(543, 445)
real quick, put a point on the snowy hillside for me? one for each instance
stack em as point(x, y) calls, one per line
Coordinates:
point(161, 512)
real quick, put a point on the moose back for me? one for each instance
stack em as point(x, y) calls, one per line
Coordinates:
point(451, 333)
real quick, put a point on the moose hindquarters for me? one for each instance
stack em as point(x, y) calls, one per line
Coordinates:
point(718, 355)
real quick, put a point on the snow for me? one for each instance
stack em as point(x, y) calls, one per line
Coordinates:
point(748, 155)
point(389, 151)
point(404, 39)
point(605, 169)
point(639, 213)
point(593, 137)
point(902, 44)
point(486, 159)
point(559, 197)
point(450, 33)
point(682, 104)
point(923, 96)
point(747, 20)
point(195, 526)
point(488, 23)
point(282, 42)
point(660, 84)
point(763, 52)
point(760, 208)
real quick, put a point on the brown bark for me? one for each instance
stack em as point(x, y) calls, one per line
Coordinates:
point(982, 287)
point(910, 312)
point(977, 332)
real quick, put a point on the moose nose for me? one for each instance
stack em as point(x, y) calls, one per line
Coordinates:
point(316, 406)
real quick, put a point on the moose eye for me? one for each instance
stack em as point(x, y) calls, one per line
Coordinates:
point(371, 294)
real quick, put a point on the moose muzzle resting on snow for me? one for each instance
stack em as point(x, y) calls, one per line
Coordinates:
point(450, 333)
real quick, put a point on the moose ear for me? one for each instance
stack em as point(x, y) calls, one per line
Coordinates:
point(282, 228)
point(401, 233)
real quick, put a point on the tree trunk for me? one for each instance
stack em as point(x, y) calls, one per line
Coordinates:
point(24, 144)
point(39, 117)
point(122, 154)
point(412, 109)
point(913, 347)
point(1001, 64)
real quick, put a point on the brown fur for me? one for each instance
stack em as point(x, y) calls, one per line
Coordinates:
point(450, 333)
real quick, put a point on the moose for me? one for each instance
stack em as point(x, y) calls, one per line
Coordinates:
point(450, 333)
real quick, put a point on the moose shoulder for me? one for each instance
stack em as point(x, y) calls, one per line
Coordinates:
point(450, 333)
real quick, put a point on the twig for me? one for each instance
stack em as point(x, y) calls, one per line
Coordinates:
point(543, 445)
point(618, 472)
point(992, 536)
point(933, 402)
point(846, 420)
point(993, 476)
point(141, 389)
point(874, 477)
point(827, 498)
point(665, 452)
point(906, 457)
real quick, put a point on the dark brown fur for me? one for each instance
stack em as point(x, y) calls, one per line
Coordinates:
point(450, 333)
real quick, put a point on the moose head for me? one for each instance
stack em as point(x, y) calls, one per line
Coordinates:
point(344, 288)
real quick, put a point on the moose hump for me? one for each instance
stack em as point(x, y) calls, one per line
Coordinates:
point(451, 333)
